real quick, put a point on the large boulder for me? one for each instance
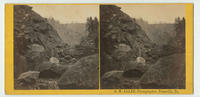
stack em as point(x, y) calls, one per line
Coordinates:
point(115, 80)
point(111, 79)
point(27, 80)
point(134, 69)
point(35, 55)
point(30, 80)
point(84, 74)
point(29, 77)
point(36, 48)
point(167, 73)
point(108, 64)
point(51, 70)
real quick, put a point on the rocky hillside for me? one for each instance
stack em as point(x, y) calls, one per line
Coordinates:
point(130, 60)
point(43, 61)
point(121, 37)
point(70, 33)
point(34, 38)
point(157, 32)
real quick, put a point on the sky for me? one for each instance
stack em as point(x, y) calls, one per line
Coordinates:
point(67, 13)
point(78, 13)
point(155, 13)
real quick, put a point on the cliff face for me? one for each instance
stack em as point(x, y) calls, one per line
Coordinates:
point(122, 39)
point(130, 60)
point(34, 38)
point(120, 28)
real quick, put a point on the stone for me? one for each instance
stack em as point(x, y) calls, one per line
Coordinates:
point(109, 64)
point(111, 79)
point(36, 48)
point(54, 60)
point(51, 70)
point(83, 74)
point(167, 73)
point(123, 47)
point(115, 80)
point(28, 77)
point(140, 60)
point(134, 69)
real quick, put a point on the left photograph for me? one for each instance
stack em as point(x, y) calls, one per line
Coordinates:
point(56, 47)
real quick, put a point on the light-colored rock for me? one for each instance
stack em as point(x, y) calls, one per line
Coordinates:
point(54, 60)
point(29, 77)
point(37, 48)
point(140, 60)
point(123, 47)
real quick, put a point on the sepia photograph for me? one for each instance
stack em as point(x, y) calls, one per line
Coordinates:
point(142, 46)
point(99, 48)
point(56, 47)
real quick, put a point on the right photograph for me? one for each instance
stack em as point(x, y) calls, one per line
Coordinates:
point(142, 46)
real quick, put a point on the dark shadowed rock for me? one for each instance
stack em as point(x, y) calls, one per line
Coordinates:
point(111, 79)
point(134, 69)
point(51, 70)
point(20, 65)
point(167, 73)
point(108, 64)
point(115, 80)
point(30, 80)
point(84, 74)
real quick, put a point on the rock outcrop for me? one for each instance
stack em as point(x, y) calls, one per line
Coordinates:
point(51, 70)
point(27, 80)
point(34, 38)
point(84, 74)
point(158, 31)
point(122, 39)
point(167, 73)
point(116, 80)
